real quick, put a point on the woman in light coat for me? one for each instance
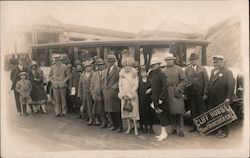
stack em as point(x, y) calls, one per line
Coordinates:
point(128, 85)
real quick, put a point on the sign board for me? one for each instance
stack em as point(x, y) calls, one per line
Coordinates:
point(214, 119)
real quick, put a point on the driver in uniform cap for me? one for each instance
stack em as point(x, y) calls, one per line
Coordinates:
point(220, 89)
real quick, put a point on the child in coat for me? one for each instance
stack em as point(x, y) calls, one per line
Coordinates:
point(23, 87)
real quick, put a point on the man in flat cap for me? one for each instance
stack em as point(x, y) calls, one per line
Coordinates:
point(112, 101)
point(59, 75)
point(196, 90)
point(220, 89)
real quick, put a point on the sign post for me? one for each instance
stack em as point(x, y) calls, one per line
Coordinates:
point(214, 119)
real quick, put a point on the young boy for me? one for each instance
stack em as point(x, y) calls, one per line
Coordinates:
point(23, 87)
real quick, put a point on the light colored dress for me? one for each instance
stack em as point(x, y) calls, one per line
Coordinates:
point(128, 85)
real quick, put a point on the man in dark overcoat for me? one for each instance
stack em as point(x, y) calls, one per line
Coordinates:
point(220, 89)
point(73, 86)
point(196, 89)
point(112, 102)
point(14, 77)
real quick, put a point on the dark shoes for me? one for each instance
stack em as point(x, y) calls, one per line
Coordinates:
point(192, 130)
point(221, 134)
point(90, 123)
point(104, 126)
point(119, 130)
point(58, 115)
point(172, 131)
point(181, 134)
point(79, 117)
point(113, 128)
point(151, 131)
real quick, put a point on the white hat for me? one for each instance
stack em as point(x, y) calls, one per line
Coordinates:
point(57, 57)
point(169, 56)
point(217, 57)
point(155, 60)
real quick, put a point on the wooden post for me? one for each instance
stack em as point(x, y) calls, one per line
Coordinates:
point(204, 55)
point(183, 54)
point(76, 55)
point(137, 53)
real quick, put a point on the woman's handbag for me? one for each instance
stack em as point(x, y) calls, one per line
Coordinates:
point(128, 106)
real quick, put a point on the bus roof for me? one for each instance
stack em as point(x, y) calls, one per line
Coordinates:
point(123, 42)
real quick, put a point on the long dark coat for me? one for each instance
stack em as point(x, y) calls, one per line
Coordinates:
point(147, 113)
point(176, 82)
point(158, 84)
point(37, 81)
point(221, 86)
point(112, 101)
point(196, 88)
point(96, 89)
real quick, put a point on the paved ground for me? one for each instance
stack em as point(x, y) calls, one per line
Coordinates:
point(45, 133)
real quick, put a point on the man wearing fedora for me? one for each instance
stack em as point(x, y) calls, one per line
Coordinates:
point(196, 90)
point(176, 82)
point(220, 89)
point(84, 91)
point(97, 91)
point(112, 101)
point(59, 75)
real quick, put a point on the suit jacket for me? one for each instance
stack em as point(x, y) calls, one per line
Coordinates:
point(221, 87)
point(58, 74)
point(74, 79)
point(112, 102)
point(197, 79)
point(14, 76)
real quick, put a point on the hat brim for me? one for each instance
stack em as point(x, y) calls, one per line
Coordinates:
point(111, 60)
point(87, 65)
point(170, 58)
point(193, 58)
point(155, 63)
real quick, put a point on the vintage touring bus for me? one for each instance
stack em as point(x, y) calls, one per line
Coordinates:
point(141, 50)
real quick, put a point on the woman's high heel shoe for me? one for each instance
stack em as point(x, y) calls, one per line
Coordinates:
point(163, 137)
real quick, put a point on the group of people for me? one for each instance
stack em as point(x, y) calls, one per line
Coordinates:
point(28, 87)
point(104, 94)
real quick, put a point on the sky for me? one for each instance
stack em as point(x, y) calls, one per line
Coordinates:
point(130, 16)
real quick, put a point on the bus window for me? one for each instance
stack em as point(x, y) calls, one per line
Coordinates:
point(41, 56)
point(117, 51)
point(87, 53)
